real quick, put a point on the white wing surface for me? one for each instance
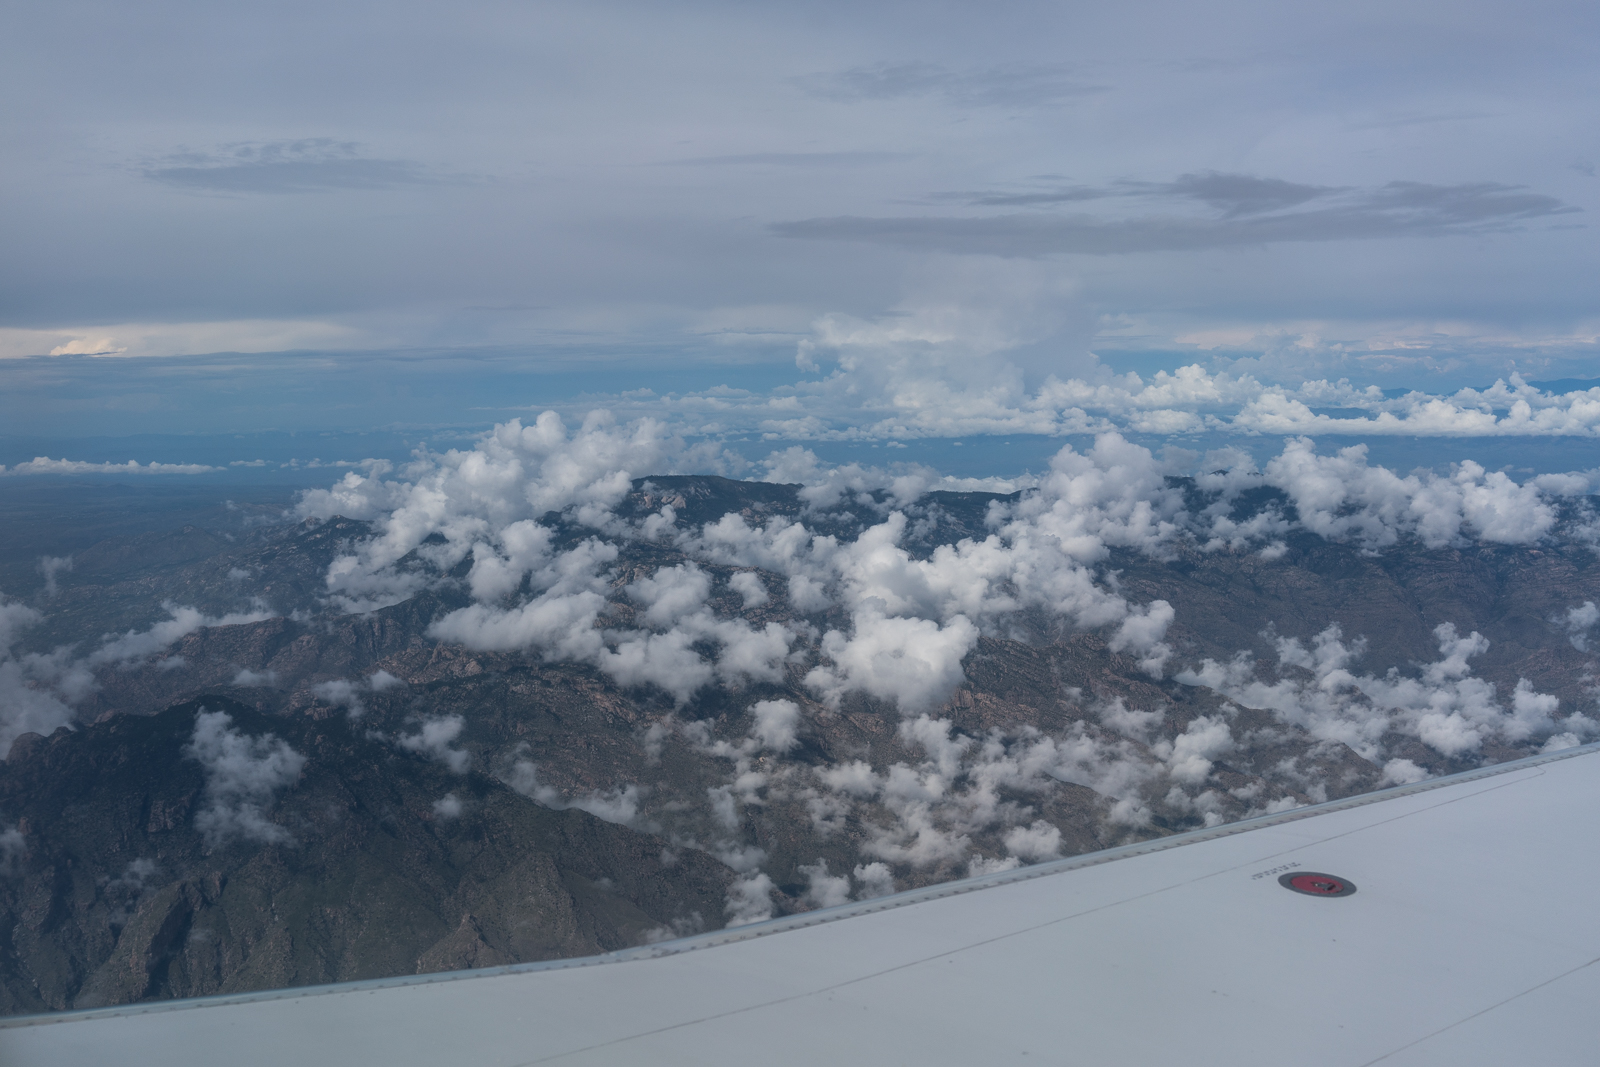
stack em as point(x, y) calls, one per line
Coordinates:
point(1472, 936)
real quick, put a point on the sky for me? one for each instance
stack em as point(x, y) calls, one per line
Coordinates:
point(861, 224)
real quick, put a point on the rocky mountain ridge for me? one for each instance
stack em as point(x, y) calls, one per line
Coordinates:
point(1056, 739)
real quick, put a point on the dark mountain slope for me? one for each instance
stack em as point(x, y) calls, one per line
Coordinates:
point(115, 896)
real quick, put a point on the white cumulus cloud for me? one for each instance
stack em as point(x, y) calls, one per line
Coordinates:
point(243, 775)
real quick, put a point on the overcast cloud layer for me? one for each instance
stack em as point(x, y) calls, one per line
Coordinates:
point(1389, 192)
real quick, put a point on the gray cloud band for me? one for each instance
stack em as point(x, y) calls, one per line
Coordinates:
point(1001, 86)
point(316, 164)
point(1398, 209)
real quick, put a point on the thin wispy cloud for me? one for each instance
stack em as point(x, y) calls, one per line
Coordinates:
point(790, 159)
point(1000, 86)
point(312, 165)
point(1421, 120)
point(46, 465)
point(1245, 210)
point(1235, 194)
point(1040, 199)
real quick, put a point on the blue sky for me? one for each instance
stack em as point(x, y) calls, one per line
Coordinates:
point(863, 223)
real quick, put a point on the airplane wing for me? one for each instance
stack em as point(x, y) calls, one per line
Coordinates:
point(1455, 921)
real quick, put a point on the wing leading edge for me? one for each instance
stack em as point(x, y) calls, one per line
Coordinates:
point(1473, 939)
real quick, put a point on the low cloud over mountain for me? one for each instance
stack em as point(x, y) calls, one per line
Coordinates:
point(862, 680)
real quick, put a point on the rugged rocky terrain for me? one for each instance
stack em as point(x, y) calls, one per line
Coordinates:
point(115, 893)
point(461, 804)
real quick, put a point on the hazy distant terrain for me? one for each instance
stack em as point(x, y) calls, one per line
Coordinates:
point(518, 702)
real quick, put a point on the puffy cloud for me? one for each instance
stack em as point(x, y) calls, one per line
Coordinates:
point(50, 567)
point(380, 681)
point(1446, 707)
point(825, 486)
point(875, 880)
point(134, 876)
point(749, 900)
point(666, 660)
point(1342, 498)
point(1189, 756)
point(15, 617)
point(824, 890)
point(1557, 742)
point(619, 805)
point(912, 620)
point(341, 692)
point(498, 567)
point(1115, 768)
point(563, 622)
point(243, 776)
point(777, 724)
point(137, 644)
point(750, 587)
point(1142, 631)
point(671, 593)
point(1115, 495)
point(562, 625)
point(27, 710)
point(36, 690)
point(102, 346)
point(433, 739)
point(1579, 621)
point(1037, 841)
point(926, 815)
point(1531, 713)
point(724, 809)
point(448, 807)
point(855, 778)
point(954, 364)
point(891, 614)
point(912, 662)
point(478, 497)
point(980, 865)
point(1401, 772)
point(1127, 722)
point(13, 847)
